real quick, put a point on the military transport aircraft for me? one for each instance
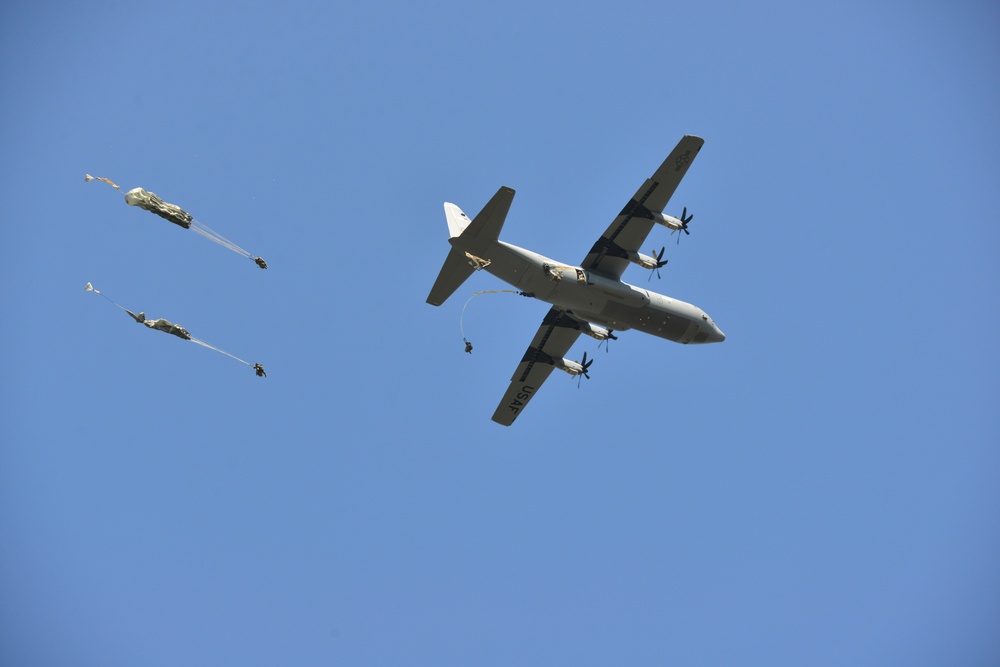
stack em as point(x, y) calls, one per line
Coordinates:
point(589, 298)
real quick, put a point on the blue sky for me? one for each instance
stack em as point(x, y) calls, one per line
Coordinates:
point(819, 489)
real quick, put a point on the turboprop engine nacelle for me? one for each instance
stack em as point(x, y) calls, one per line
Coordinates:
point(666, 220)
point(645, 261)
point(595, 331)
point(574, 368)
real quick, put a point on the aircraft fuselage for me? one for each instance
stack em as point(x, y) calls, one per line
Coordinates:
point(595, 298)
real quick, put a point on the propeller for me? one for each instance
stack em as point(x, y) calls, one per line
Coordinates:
point(585, 367)
point(660, 262)
point(685, 219)
point(611, 337)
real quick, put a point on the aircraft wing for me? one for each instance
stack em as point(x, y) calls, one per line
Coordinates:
point(628, 231)
point(553, 340)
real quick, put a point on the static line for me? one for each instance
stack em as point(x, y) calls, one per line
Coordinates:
point(461, 320)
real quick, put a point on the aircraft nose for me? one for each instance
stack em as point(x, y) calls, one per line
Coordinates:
point(710, 331)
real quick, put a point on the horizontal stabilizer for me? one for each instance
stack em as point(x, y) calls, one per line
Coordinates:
point(455, 271)
point(467, 235)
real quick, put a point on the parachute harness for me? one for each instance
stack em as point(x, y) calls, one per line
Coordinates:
point(461, 320)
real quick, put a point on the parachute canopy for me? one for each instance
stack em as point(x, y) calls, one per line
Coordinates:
point(153, 204)
point(161, 324)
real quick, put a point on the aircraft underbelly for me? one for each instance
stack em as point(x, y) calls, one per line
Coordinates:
point(665, 325)
point(520, 268)
point(610, 303)
point(663, 317)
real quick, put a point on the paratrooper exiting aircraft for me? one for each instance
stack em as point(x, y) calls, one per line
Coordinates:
point(589, 298)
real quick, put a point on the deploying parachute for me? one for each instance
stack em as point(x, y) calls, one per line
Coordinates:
point(153, 204)
point(169, 327)
point(90, 178)
point(175, 214)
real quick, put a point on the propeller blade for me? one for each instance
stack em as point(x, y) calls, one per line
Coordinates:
point(658, 258)
point(685, 219)
point(607, 341)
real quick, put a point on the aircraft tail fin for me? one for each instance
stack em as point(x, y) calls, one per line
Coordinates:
point(484, 228)
point(457, 220)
